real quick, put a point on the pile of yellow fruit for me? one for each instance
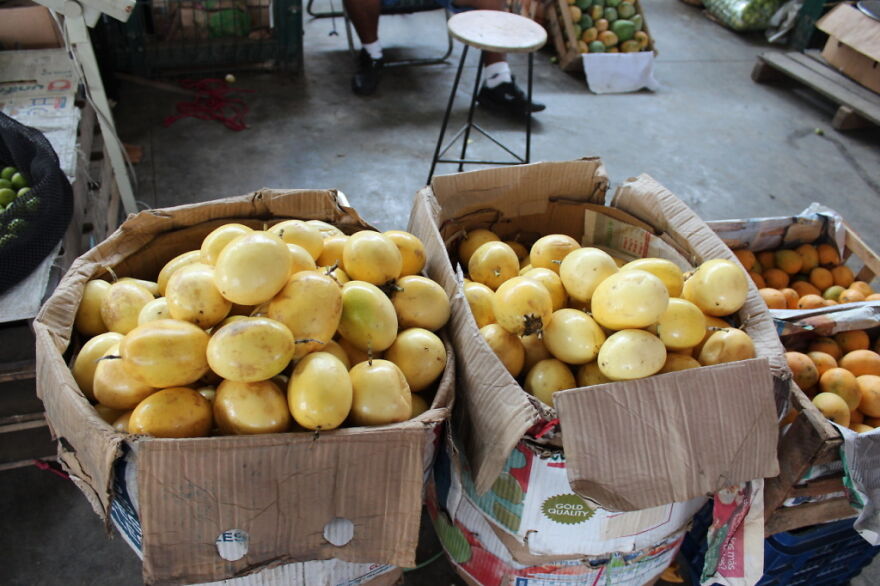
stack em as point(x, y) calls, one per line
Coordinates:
point(806, 277)
point(561, 315)
point(841, 374)
point(294, 327)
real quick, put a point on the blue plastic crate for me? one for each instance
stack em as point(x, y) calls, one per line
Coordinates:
point(820, 555)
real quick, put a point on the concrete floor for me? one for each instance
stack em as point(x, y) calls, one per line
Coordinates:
point(728, 147)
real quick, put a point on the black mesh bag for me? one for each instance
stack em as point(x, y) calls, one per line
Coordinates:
point(32, 224)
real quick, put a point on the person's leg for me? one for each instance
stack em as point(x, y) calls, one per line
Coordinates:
point(364, 16)
point(499, 91)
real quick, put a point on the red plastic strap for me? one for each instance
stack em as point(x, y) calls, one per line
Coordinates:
point(547, 428)
point(212, 103)
point(49, 467)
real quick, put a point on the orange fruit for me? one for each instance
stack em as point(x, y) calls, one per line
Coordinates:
point(833, 292)
point(775, 278)
point(869, 389)
point(852, 340)
point(746, 257)
point(791, 297)
point(873, 297)
point(811, 302)
point(856, 416)
point(821, 278)
point(803, 370)
point(789, 417)
point(809, 255)
point(773, 298)
point(827, 345)
point(828, 255)
point(861, 362)
point(822, 360)
point(860, 427)
point(850, 296)
point(843, 275)
point(757, 279)
point(830, 302)
point(766, 258)
point(834, 407)
point(805, 288)
point(862, 287)
point(789, 261)
point(841, 382)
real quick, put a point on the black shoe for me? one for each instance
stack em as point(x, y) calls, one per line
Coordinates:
point(507, 98)
point(369, 72)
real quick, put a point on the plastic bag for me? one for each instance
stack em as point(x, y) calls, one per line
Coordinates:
point(743, 15)
point(32, 224)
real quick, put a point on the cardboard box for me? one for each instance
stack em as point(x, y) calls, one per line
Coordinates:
point(566, 541)
point(605, 72)
point(284, 497)
point(28, 27)
point(628, 445)
point(810, 488)
point(853, 46)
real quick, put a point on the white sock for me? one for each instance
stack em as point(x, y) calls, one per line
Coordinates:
point(374, 49)
point(497, 73)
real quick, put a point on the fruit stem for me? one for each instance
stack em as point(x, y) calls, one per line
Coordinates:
point(109, 357)
point(112, 273)
point(307, 340)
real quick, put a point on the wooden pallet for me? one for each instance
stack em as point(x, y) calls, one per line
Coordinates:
point(812, 440)
point(857, 105)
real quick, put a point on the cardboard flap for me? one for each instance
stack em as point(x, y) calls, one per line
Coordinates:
point(497, 407)
point(282, 490)
point(679, 440)
point(88, 446)
point(463, 193)
point(853, 28)
point(646, 199)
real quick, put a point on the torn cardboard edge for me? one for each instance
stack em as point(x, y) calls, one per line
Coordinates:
point(540, 198)
point(89, 447)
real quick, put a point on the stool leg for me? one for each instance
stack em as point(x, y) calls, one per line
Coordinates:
point(464, 51)
point(470, 120)
point(529, 112)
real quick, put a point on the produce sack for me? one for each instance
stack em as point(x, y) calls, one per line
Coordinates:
point(31, 225)
point(743, 15)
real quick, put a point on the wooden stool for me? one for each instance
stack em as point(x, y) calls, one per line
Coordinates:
point(496, 32)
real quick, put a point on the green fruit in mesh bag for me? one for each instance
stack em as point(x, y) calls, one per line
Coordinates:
point(597, 47)
point(7, 195)
point(8, 172)
point(626, 10)
point(610, 14)
point(18, 181)
point(624, 29)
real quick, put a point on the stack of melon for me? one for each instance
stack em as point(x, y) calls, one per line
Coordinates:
point(608, 26)
point(297, 326)
point(560, 315)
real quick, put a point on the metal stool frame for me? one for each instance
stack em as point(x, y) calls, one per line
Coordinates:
point(440, 150)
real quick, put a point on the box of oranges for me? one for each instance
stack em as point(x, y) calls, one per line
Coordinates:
point(249, 371)
point(819, 279)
